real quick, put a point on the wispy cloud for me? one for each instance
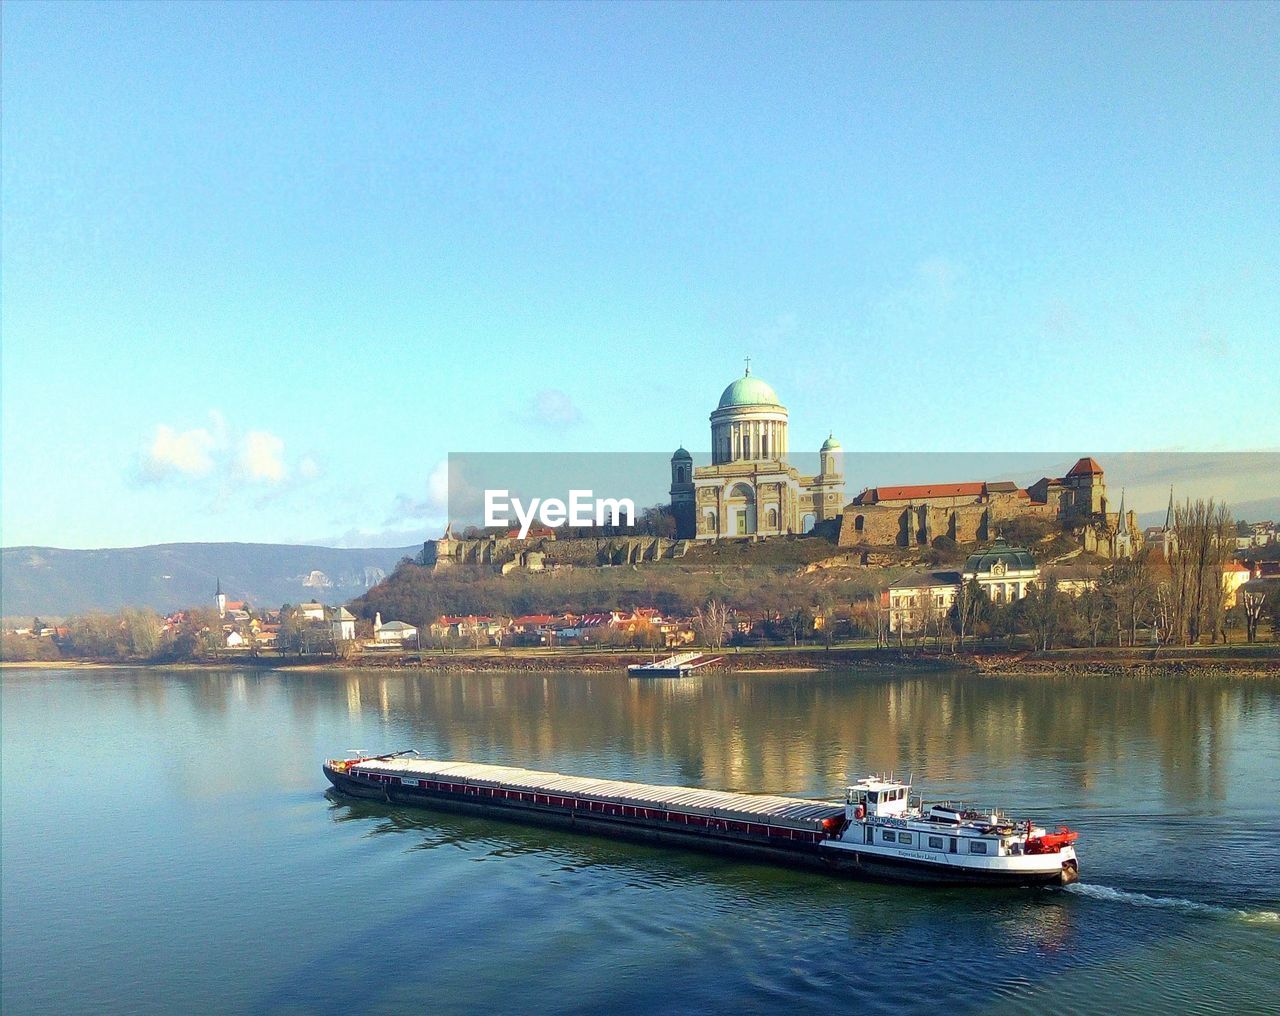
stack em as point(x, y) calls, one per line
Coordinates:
point(261, 458)
point(552, 409)
point(221, 459)
point(431, 509)
point(174, 454)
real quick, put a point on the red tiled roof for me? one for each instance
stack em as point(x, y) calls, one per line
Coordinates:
point(1086, 467)
point(912, 492)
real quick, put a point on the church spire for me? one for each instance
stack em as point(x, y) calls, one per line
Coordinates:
point(1124, 518)
point(218, 591)
point(1168, 516)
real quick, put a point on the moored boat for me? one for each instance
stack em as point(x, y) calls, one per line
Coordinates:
point(879, 831)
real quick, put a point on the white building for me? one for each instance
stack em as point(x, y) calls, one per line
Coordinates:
point(922, 600)
point(393, 631)
point(1003, 572)
point(342, 624)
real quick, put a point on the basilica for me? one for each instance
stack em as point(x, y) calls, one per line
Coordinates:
point(750, 490)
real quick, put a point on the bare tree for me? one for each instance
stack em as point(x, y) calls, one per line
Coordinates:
point(1042, 612)
point(930, 616)
point(1251, 603)
point(710, 621)
point(1091, 608)
point(1129, 590)
point(965, 608)
point(1204, 539)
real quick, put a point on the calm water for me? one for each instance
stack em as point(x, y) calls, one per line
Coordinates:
point(168, 845)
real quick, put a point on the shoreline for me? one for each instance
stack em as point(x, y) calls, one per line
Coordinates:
point(1236, 661)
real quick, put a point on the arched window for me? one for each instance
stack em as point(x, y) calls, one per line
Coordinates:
point(859, 522)
point(771, 519)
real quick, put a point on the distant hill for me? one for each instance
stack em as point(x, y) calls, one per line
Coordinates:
point(1250, 511)
point(46, 580)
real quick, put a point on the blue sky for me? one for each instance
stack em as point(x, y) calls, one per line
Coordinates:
point(265, 266)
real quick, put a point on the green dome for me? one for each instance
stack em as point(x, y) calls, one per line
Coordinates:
point(830, 444)
point(1013, 558)
point(682, 454)
point(748, 391)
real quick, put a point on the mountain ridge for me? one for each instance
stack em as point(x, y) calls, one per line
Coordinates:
point(168, 576)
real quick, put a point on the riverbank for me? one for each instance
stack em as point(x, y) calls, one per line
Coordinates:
point(1237, 660)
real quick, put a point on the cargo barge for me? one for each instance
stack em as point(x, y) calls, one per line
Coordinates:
point(879, 831)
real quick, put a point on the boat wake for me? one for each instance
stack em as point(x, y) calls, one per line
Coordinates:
point(1110, 895)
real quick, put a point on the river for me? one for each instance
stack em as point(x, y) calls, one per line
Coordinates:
point(169, 845)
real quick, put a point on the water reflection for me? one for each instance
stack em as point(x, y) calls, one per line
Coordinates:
point(1173, 738)
point(804, 734)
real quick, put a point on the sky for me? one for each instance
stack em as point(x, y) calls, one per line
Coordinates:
point(266, 266)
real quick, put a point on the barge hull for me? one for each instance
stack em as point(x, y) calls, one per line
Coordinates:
point(616, 827)
point(793, 854)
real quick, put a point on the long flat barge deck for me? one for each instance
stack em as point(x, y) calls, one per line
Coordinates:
point(760, 826)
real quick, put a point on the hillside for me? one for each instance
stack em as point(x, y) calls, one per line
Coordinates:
point(776, 575)
point(54, 582)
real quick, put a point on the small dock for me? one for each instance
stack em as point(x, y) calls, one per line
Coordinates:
point(678, 665)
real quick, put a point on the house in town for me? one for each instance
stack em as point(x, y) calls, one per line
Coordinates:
point(920, 599)
point(472, 627)
point(1234, 575)
point(1003, 572)
point(342, 624)
point(393, 632)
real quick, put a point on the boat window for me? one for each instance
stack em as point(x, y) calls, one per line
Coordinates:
point(904, 837)
point(935, 842)
point(977, 847)
point(888, 837)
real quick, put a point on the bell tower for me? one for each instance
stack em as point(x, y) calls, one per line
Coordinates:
point(682, 494)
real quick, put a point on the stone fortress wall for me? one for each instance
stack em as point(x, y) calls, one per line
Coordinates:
point(973, 512)
point(507, 554)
